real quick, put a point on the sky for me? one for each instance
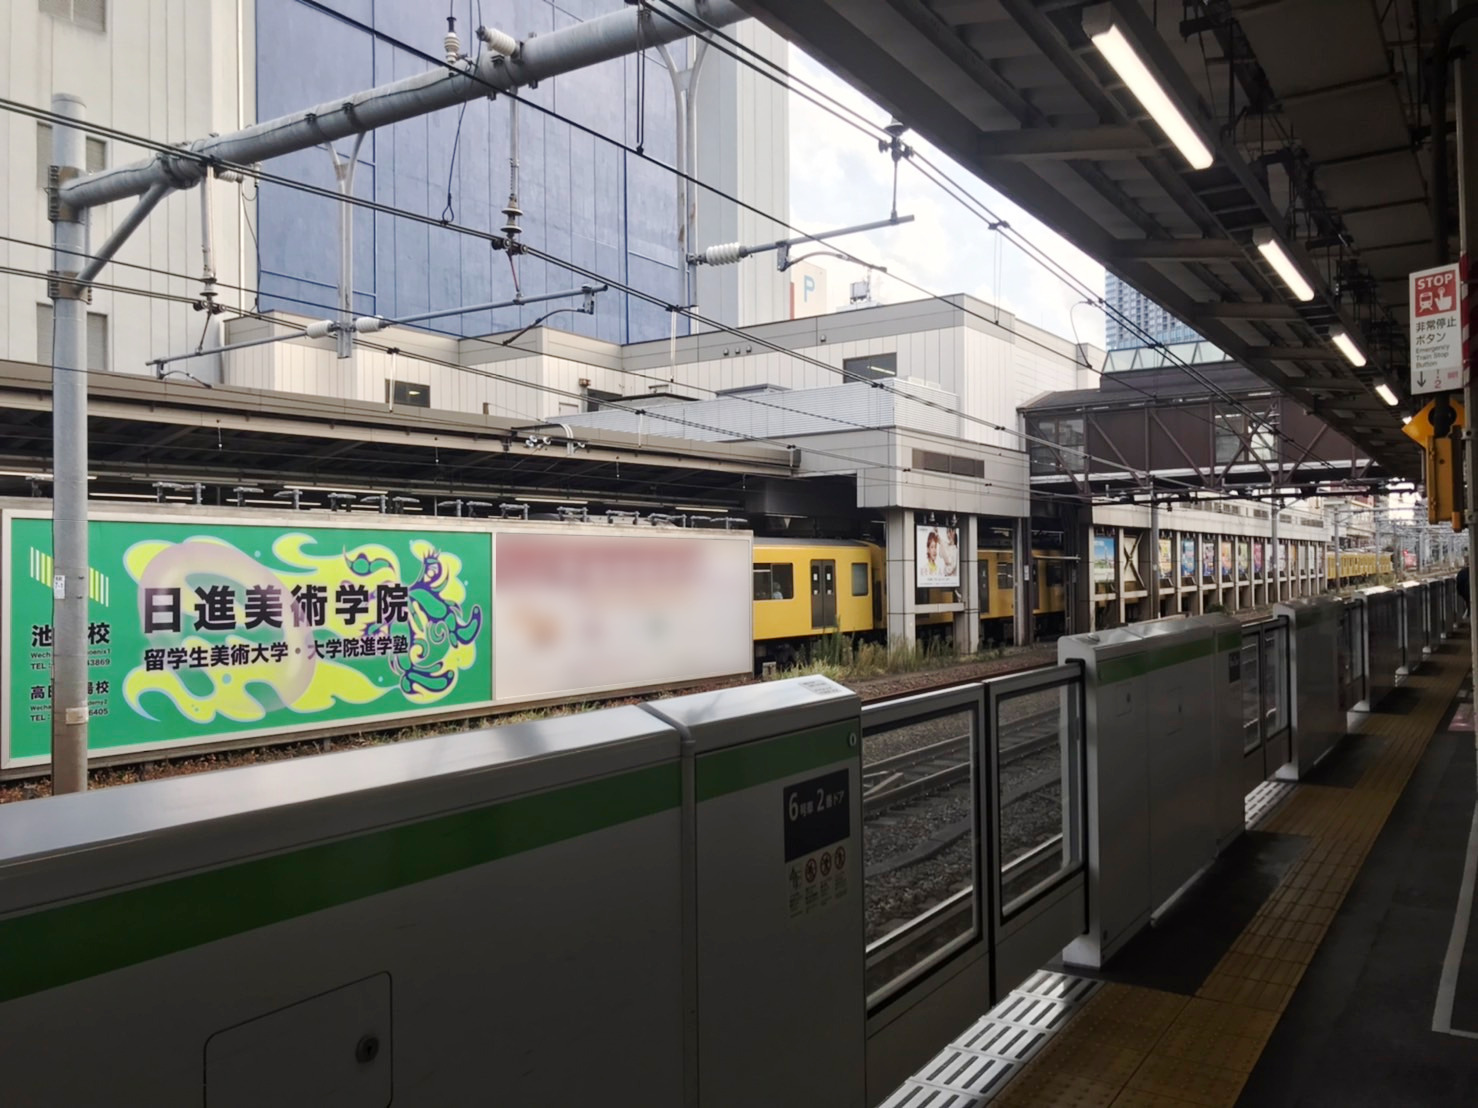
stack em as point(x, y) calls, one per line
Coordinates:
point(840, 178)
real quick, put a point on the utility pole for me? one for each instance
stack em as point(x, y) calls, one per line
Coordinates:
point(505, 66)
point(69, 466)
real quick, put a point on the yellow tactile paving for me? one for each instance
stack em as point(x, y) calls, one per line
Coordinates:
point(1132, 1047)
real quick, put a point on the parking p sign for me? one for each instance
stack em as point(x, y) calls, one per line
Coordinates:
point(1437, 340)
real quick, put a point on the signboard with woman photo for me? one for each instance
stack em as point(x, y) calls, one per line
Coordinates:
point(938, 557)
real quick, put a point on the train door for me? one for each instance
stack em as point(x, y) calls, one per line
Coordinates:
point(823, 594)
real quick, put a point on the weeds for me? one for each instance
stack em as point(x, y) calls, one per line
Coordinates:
point(845, 658)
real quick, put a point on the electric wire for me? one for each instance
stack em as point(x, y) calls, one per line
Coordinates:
point(850, 116)
point(499, 242)
point(854, 119)
point(560, 262)
point(729, 435)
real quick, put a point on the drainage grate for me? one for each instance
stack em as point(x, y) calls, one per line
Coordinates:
point(1263, 801)
point(977, 1065)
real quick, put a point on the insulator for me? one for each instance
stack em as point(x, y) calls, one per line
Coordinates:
point(724, 254)
point(369, 324)
point(499, 42)
point(453, 46)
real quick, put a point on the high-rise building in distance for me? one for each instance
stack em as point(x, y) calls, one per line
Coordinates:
point(1136, 320)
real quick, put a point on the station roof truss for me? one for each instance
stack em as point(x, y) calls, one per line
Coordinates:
point(1158, 431)
point(142, 430)
point(1314, 110)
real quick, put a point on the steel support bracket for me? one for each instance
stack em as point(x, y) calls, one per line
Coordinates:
point(65, 286)
point(57, 209)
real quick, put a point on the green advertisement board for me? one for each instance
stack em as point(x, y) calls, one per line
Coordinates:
point(204, 632)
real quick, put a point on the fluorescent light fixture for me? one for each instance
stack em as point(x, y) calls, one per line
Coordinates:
point(1384, 392)
point(1268, 245)
point(1346, 346)
point(1100, 25)
point(549, 500)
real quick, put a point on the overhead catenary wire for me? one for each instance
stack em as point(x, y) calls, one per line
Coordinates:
point(781, 76)
point(499, 242)
point(738, 333)
point(630, 407)
point(777, 73)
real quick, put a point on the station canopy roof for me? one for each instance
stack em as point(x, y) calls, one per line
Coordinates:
point(1313, 109)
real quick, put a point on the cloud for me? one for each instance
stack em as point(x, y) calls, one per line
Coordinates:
point(840, 178)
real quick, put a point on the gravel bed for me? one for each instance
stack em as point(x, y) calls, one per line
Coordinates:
point(897, 897)
point(1014, 659)
point(894, 897)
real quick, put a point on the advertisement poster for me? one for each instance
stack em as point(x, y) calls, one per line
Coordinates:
point(579, 612)
point(1257, 558)
point(1103, 558)
point(1244, 559)
point(1188, 558)
point(937, 557)
point(1167, 559)
point(1208, 559)
point(1226, 560)
point(206, 631)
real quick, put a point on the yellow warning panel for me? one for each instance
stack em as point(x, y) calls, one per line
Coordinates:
point(1420, 428)
point(1442, 481)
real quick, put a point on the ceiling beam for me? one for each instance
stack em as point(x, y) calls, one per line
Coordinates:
point(1177, 250)
point(1223, 310)
point(1296, 353)
point(1065, 142)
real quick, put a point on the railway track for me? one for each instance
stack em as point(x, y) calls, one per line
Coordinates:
point(913, 775)
point(909, 950)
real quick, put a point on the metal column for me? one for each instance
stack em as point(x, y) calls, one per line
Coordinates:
point(967, 623)
point(1152, 585)
point(1023, 618)
point(1467, 152)
point(69, 467)
point(1273, 561)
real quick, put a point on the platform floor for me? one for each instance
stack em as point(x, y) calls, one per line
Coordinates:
point(1304, 969)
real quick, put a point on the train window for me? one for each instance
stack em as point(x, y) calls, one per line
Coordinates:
point(774, 581)
point(1005, 572)
point(1055, 573)
point(861, 574)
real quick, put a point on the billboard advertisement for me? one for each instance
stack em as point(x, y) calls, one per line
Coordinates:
point(937, 557)
point(1167, 559)
point(1226, 560)
point(1257, 557)
point(594, 612)
point(1188, 558)
point(1244, 559)
point(1103, 558)
point(1208, 559)
point(204, 631)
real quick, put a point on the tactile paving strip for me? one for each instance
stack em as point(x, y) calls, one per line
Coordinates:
point(977, 1065)
point(1135, 1046)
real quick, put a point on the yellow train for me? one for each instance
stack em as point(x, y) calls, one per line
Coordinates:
point(1355, 566)
point(805, 589)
